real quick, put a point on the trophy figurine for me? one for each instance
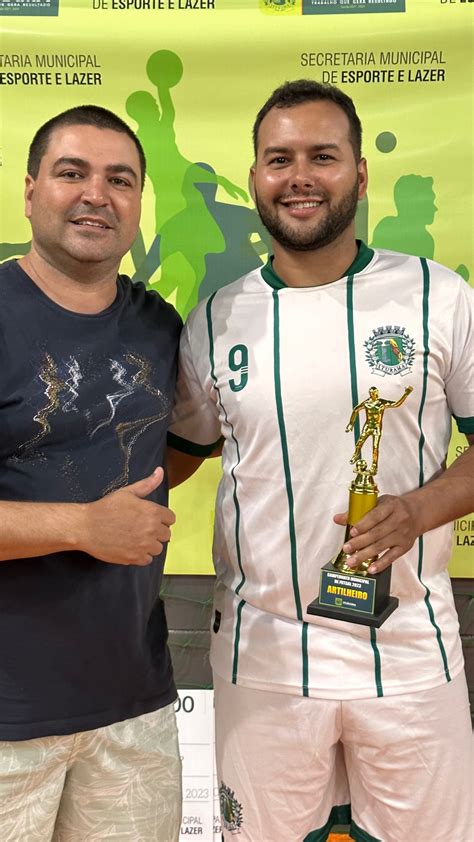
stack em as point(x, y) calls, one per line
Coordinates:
point(352, 593)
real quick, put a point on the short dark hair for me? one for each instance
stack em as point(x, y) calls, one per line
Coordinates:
point(301, 91)
point(81, 115)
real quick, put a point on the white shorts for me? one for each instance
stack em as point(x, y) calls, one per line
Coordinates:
point(395, 768)
point(122, 783)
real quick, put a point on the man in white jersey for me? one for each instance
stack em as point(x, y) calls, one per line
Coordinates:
point(320, 721)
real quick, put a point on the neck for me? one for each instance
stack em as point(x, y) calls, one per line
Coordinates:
point(85, 288)
point(317, 267)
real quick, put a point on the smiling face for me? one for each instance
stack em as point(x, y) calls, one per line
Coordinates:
point(307, 182)
point(84, 205)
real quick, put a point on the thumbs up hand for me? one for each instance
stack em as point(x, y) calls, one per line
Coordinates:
point(125, 528)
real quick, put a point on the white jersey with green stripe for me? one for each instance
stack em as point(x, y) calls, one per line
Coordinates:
point(276, 371)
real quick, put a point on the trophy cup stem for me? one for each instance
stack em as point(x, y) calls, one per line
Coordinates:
point(363, 494)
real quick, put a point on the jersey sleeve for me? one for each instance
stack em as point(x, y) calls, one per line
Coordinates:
point(460, 381)
point(195, 427)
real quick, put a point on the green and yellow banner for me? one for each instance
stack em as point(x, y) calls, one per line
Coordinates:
point(189, 77)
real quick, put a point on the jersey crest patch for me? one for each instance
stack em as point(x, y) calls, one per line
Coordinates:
point(389, 350)
point(231, 810)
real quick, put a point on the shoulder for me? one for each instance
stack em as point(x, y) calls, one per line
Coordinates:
point(386, 223)
point(149, 304)
point(384, 259)
point(448, 291)
point(13, 283)
point(221, 300)
point(9, 269)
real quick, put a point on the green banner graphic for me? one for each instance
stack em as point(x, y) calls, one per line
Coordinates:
point(189, 76)
point(26, 8)
point(338, 7)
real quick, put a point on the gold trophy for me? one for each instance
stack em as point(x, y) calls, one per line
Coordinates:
point(352, 593)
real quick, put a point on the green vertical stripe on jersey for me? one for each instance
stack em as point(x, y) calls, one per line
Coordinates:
point(377, 666)
point(304, 654)
point(284, 449)
point(426, 353)
point(352, 356)
point(289, 488)
point(355, 401)
point(236, 501)
point(235, 662)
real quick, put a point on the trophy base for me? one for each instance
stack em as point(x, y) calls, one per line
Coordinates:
point(361, 599)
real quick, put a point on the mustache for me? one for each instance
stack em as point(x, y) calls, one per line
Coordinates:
point(317, 195)
point(102, 214)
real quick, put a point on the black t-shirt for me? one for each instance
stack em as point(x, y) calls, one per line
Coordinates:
point(84, 407)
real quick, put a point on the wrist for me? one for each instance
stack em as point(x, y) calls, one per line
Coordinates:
point(77, 526)
point(419, 510)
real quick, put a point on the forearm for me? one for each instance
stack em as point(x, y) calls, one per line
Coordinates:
point(392, 527)
point(449, 496)
point(223, 181)
point(167, 107)
point(121, 528)
point(401, 400)
point(350, 423)
point(34, 529)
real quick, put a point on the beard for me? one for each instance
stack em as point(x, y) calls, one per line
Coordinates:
point(301, 237)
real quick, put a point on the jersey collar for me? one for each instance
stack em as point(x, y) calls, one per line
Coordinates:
point(363, 258)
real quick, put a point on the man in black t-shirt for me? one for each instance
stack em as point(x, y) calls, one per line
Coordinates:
point(87, 728)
